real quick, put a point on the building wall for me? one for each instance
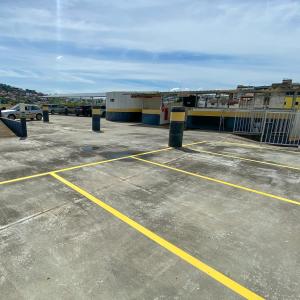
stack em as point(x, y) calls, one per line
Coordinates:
point(152, 103)
point(120, 106)
point(210, 119)
point(259, 100)
point(151, 110)
point(151, 116)
point(277, 100)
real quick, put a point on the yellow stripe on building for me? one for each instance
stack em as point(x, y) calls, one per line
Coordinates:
point(151, 111)
point(211, 113)
point(124, 110)
point(288, 102)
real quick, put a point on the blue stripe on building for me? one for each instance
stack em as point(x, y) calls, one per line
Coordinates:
point(209, 123)
point(151, 119)
point(124, 116)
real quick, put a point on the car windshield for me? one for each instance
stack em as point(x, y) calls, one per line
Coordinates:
point(16, 107)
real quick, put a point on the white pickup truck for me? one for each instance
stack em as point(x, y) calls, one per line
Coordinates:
point(32, 112)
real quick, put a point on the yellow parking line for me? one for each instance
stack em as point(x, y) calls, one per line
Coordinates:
point(81, 166)
point(248, 159)
point(213, 273)
point(258, 147)
point(90, 164)
point(221, 182)
point(195, 143)
point(23, 178)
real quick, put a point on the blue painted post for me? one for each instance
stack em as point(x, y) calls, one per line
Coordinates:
point(96, 114)
point(45, 113)
point(23, 121)
point(177, 121)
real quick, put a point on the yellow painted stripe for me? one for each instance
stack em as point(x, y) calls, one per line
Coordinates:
point(213, 273)
point(204, 113)
point(241, 114)
point(275, 148)
point(211, 113)
point(124, 110)
point(91, 164)
point(23, 178)
point(110, 160)
point(80, 166)
point(194, 143)
point(221, 182)
point(248, 159)
point(96, 111)
point(177, 116)
point(151, 111)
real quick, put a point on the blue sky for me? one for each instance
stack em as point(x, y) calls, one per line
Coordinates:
point(96, 46)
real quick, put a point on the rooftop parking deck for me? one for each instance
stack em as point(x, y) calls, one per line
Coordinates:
point(119, 215)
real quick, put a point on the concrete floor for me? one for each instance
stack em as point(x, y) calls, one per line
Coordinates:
point(56, 244)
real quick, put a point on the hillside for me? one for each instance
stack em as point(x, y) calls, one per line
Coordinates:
point(11, 94)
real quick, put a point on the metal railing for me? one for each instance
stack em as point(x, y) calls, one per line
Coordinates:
point(269, 126)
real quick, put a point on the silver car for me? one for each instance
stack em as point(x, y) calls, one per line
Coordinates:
point(57, 109)
point(31, 111)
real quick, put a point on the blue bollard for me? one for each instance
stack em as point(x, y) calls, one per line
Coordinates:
point(96, 116)
point(177, 121)
point(45, 113)
point(23, 125)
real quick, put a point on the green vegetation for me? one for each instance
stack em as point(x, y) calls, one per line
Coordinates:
point(12, 95)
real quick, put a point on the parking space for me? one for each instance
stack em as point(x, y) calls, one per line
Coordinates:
point(120, 215)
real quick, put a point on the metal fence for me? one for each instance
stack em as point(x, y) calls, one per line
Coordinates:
point(272, 127)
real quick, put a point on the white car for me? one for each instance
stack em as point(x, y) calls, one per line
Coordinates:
point(32, 112)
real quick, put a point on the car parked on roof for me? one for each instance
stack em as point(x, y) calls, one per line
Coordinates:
point(86, 110)
point(32, 112)
point(103, 111)
point(57, 109)
point(83, 110)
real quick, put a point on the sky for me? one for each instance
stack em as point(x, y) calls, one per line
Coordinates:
point(65, 46)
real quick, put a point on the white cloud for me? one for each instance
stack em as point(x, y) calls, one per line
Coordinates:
point(218, 26)
point(244, 28)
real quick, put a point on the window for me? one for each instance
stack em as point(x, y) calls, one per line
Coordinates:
point(290, 93)
point(266, 101)
point(16, 107)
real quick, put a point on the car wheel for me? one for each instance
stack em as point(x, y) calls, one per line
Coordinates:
point(12, 117)
point(39, 117)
